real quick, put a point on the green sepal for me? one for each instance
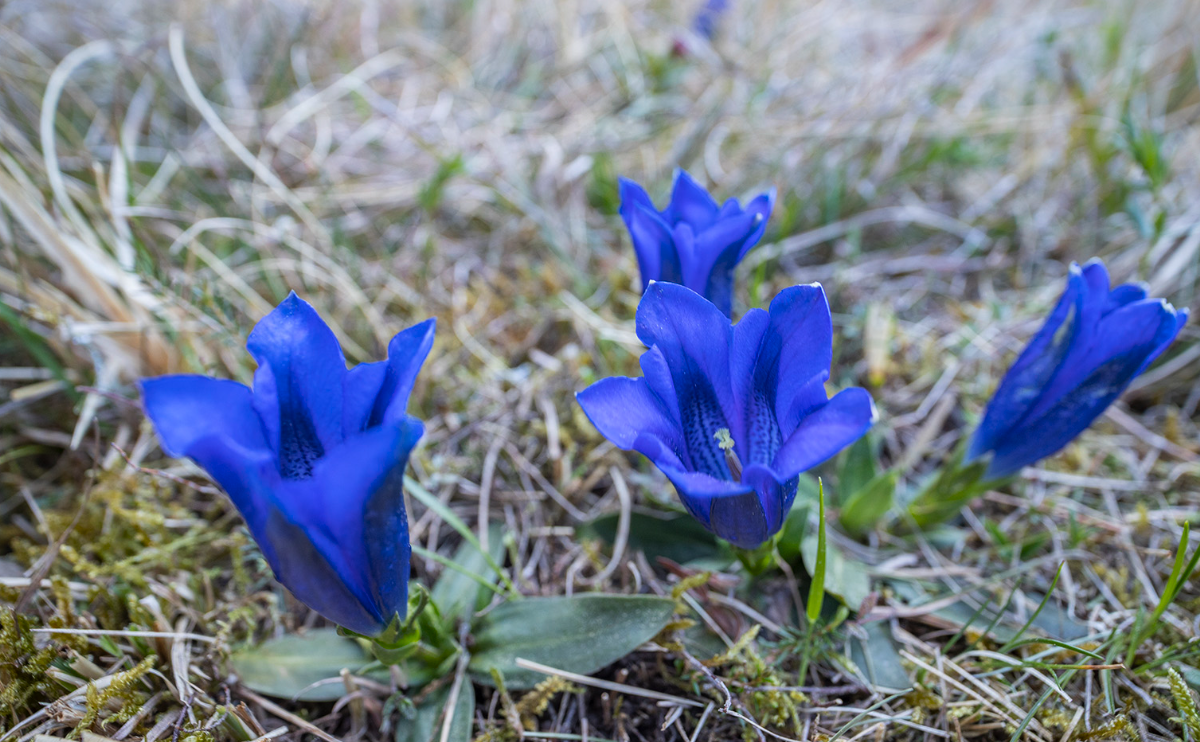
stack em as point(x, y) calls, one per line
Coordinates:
point(402, 638)
point(759, 559)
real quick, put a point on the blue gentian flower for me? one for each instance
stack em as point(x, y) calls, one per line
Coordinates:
point(693, 241)
point(1091, 347)
point(707, 384)
point(313, 457)
point(705, 22)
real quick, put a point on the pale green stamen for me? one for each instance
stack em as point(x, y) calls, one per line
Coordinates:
point(725, 443)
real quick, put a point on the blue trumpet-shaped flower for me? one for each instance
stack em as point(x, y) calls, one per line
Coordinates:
point(731, 415)
point(693, 241)
point(313, 457)
point(1091, 347)
point(705, 21)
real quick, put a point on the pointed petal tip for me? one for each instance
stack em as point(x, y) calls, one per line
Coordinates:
point(291, 302)
point(769, 196)
point(684, 175)
point(786, 297)
point(429, 326)
point(411, 428)
point(633, 194)
point(1095, 268)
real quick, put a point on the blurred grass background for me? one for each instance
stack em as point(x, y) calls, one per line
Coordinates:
point(170, 170)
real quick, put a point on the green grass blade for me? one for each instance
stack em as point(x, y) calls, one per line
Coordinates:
point(430, 501)
point(816, 591)
point(451, 564)
point(1060, 644)
point(1030, 716)
point(999, 614)
point(970, 621)
point(1049, 594)
point(1179, 574)
point(1185, 574)
point(38, 348)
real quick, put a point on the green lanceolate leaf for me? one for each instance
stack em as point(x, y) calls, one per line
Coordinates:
point(868, 504)
point(293, 667)
point(457, 592)
point(878, 659)
point(580, 634)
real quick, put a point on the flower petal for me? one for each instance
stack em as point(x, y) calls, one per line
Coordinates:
point(1126, 293)
point(715, 255)
point(730, 208)
point(693, 337)
point(653, 242)
point(1127, 354)
point(658, 451)
point(1140, 328)
point(386, 521)
point(248, 476)
point(1181, 318)
point(632, 194)
point(187, 408)
point(360, 390)
point(303, 569)
point(774, 496)
point(351, 512)
point(797, 351)
point(624, 410)
point(657, 375)
point(256, 488)
point(377, 393)
point(731, 510)
point(762, 205)
point(299, 362)
point(754, 429)
point(683, 240)
point(1097, 294)
point(824, 432)
point(406, 354)
point(690, 203)
point(1026, 380)
point(740, 520)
